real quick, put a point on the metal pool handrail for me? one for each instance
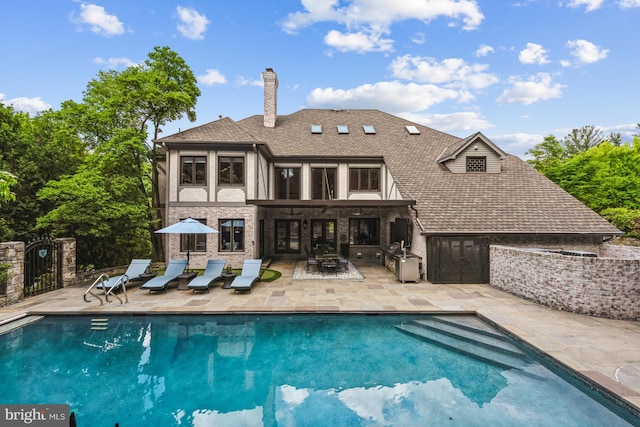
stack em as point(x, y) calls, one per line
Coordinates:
point(103, 278)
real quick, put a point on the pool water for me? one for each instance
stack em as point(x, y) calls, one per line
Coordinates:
point(276, 370)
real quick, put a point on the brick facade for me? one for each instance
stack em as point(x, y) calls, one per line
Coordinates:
point(607, 286)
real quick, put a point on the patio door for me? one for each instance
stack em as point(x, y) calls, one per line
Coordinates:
point(287, 236)
point(323, 235)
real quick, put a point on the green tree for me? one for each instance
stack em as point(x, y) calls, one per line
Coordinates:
point(547, 154)
point(35, 150)
point(102, 205)
point(7, 179)
point(143, 97)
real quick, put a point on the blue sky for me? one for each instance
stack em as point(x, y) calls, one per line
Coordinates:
point(516, 70)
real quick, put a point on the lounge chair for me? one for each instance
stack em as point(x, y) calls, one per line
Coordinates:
point(250, 275)
point(159, 283)
point(135, 269)
point(212, 272)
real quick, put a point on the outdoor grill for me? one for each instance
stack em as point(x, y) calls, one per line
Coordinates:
point(405, 264)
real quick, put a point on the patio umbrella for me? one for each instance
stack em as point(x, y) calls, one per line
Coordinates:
point(188, 226)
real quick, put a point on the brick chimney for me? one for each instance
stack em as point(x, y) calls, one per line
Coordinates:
point(270, 80)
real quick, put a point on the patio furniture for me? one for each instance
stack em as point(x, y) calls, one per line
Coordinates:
point(160, 283)
point(312, 262)
point(250, 274)
point(212, 272)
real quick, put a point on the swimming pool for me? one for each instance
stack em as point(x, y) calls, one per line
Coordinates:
point(284, 370)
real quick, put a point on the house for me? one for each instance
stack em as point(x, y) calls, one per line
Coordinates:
point(357, 181)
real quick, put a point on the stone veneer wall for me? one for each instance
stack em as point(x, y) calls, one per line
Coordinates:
point(12, 253)
point(608, 286)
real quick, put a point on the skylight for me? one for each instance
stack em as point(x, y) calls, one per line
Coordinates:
point(369, 129)
point(412, 130)
point(343, 129)
point(316, 128)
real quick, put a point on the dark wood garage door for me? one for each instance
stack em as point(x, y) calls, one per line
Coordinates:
point(458, 260)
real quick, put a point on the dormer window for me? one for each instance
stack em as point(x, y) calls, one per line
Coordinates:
point(476, 164)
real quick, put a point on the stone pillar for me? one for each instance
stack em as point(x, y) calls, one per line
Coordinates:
point(68, 248)
point(270, 80)
point(12, 253)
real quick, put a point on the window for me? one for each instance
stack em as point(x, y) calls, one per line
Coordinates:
point(316, 128)
point(194, 170)
point(412, 130)
point(364, 179)
point(231, 235)
point(343, 129)
point(231, 171)
point(287, 236)
point(288, 183)
point(193, 242)
point(364, 231)
point(476, 164)
point(323, 183)
point(369, 129)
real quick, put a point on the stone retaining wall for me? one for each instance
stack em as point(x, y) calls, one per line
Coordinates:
point(608, 286)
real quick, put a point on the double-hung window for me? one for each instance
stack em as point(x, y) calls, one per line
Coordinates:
point(194, 242)
point(194, 170)
point(231, 171)
point(231, 235)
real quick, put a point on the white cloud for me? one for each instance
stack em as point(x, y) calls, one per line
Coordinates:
point(586, 52)
point(243, 81)
point(464, 121)
point(26, 105)
point(533, 54)
point(452, 72)
point(375, 17)
point(192, 24)
point(357, 42)
point(394, 97)
point(212, 77)
point(590, 4)
point(629, 3)
point(98, 20)
point(484, 50)
point(420, 38)
point(115, 62)
point(536, 88)
point(517, 143)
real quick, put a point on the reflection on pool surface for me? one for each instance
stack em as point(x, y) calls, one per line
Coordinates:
point(301, 370)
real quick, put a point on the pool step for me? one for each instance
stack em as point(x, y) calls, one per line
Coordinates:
point(17, 322)
point(470, 336)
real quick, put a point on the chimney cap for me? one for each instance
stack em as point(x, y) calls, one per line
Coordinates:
point(270, 70)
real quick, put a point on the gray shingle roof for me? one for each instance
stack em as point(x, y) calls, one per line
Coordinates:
point(517, 200)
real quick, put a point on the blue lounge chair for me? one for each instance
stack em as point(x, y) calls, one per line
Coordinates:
point(174, 269)
point(135, 269)
point(250, 275)
point(212, 272)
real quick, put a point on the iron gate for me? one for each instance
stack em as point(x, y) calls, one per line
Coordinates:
point(42, 266)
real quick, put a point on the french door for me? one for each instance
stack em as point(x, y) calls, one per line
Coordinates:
point(287, 236)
